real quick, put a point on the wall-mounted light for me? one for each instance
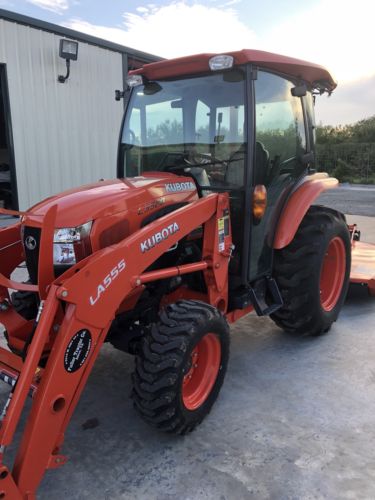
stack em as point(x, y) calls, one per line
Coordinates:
point(68, 51)
point(119, 94)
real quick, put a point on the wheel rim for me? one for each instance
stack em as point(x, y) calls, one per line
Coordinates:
point(203, 367)
point(333, 274)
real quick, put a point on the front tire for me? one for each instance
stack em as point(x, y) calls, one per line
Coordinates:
point(313, 273)
point(181, 366)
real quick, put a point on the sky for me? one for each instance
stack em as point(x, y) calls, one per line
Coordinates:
point(338, 34)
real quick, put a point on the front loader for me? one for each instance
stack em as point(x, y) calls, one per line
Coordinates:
point(211, 218)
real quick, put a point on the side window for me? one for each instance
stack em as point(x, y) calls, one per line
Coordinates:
point(280, 140)
point(280, 130)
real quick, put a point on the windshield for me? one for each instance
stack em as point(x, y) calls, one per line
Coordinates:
point(192, 126)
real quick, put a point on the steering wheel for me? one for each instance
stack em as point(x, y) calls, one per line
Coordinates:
point(196, 159)
point(279, 168)
point(163, 165)
point(285, 166)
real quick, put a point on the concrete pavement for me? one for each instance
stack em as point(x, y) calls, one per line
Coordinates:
point(351, 199)
point(365, 224)
point(295, 419)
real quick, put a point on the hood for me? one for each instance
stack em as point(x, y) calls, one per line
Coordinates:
point(105, 198)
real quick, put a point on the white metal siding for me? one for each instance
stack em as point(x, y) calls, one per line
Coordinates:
point(65, 134)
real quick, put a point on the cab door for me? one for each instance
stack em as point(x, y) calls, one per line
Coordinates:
point(280, 143)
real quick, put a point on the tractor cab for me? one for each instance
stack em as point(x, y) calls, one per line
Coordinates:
point(241, 123)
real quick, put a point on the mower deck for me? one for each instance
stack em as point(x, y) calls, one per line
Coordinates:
point(363, 265)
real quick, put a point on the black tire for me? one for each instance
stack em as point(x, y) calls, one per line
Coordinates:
point(25, 303)
point(297, 270)
point(165, 359)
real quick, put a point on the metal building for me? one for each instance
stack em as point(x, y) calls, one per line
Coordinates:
point(55, 135)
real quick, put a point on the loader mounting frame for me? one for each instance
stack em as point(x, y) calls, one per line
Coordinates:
point(75, 314)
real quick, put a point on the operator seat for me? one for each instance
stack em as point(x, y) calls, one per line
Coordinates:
point(236, 165)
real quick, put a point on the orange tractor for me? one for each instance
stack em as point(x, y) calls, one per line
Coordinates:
point(211, 217)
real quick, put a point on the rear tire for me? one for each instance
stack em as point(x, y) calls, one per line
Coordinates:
point(313, 273)
point(181, 366)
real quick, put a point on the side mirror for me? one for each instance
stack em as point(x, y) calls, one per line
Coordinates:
point(307, 158)
point(151, 88)
point(299, 90)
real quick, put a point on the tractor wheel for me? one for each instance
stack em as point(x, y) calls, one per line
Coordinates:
point(25, 303)
point(181, 366)
point(313, 273)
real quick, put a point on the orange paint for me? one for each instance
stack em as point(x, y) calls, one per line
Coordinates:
point(298, 204)
point(363, 265)
point(68, 307)
point(199, 64)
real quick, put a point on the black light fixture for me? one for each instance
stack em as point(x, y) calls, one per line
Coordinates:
point(68, 51)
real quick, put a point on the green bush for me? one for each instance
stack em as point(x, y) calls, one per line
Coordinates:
point(343, 171)
point(363, 180)
point(347, 151)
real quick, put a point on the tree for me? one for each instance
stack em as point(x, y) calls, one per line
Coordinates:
point(348, 151)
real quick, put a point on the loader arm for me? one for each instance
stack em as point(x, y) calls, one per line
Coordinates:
point(89, 295)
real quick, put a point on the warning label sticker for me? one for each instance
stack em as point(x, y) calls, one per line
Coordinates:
point(223, 229)
point(77, 351)
point(221, 234)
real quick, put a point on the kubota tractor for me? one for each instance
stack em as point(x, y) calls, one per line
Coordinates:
point(211, 217)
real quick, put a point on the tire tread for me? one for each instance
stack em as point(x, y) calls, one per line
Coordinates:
point(295, 271)
point(159, 366)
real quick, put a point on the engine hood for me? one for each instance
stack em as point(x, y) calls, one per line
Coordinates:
point(106, 198)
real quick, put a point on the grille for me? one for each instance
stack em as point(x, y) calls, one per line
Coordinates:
point(31, 236)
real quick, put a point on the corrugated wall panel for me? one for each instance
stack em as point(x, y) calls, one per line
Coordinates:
point(64, 134)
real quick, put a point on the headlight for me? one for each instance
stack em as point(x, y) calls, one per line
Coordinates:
point(71, 244)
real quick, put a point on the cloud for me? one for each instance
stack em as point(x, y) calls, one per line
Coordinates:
point(338, 34)
point(57, 6)
point(350, 102)
point(142, 10)
point(175, 30)
point(231, 2)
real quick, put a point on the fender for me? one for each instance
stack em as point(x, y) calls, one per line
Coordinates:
point(298, 204)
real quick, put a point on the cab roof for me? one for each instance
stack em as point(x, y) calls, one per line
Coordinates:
point(315, 75)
